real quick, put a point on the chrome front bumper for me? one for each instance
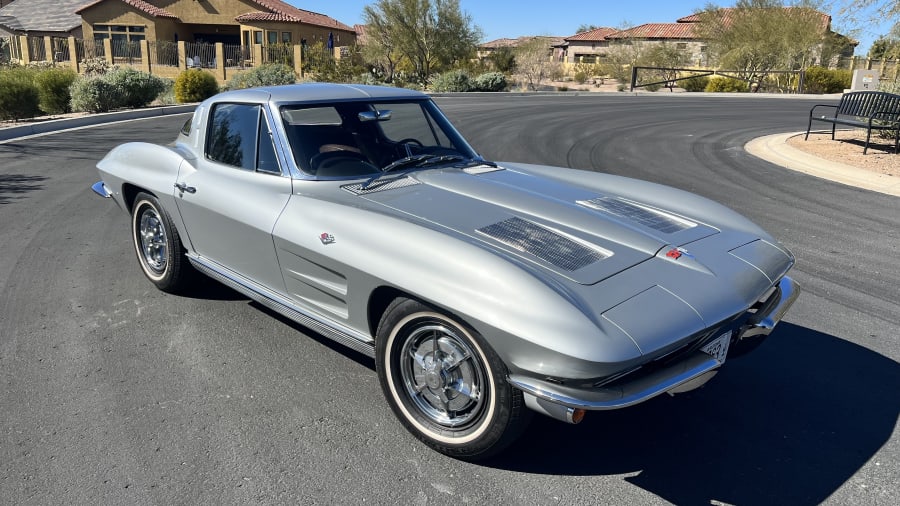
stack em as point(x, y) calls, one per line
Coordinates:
point(558, 401)
point(100, 189)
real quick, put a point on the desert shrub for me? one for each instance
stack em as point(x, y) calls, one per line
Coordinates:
point(95, 66)
point(195, 85)
point(727, 85)
point(823, 80)
point(490, 81)
point(136, 88)
point(93, 94)
point(273, 74)
point(452, 81)
point(53, 89)
point(19, 96)
point(890, 86)
point(580, 77)
point(695, 84)
point(652, 87)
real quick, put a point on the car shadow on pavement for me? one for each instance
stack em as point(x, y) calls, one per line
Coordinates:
point(787, 424)
point(14, 186)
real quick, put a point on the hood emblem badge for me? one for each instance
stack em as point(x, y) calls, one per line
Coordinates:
point(326, 238)
point(676, 253)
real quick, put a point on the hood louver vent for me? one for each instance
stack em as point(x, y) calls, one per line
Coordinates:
point(543, 243)
point(481, 169)
point(646, 216)
point(357, 189)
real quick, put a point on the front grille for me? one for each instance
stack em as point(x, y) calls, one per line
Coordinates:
point(543, 243)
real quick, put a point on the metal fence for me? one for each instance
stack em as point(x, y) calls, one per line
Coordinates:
point(889, 69)
point(278, 53)
point(124, 51)
point(163, 53)
point(88, 49)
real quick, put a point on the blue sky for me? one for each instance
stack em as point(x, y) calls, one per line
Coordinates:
point(513, 18)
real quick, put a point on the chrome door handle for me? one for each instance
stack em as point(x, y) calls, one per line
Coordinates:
point(185, 188)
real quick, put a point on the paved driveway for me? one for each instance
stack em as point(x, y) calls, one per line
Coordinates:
point(113, 392)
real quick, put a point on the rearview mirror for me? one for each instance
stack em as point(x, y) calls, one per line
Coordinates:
point(367, 116)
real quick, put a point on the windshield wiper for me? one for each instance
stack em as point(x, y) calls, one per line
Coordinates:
point(413, 162)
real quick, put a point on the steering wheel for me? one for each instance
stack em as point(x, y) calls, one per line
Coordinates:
point(330, 159)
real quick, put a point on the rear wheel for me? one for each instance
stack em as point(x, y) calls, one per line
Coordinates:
point(158, 245)
point(445, 384)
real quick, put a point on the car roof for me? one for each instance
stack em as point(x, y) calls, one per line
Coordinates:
point(317, 92)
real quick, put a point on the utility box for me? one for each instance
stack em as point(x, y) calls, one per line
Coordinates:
point(865, 80)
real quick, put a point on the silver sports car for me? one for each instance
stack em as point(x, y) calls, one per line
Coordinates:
point(484, 290)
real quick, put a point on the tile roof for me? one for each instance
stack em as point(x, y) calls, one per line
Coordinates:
point(728, 14)
point(657, 31)
point(140, 5)
point(281, 11)
point(593, 35)
point(42, 15)
point(498, 43)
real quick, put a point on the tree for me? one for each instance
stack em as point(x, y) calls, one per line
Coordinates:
point(431, 35)
point(885, 47)
point(503, 59)
point(663, 56)
point(872, 11)
point(533, 62)
point(586, 28)
point(756, 37)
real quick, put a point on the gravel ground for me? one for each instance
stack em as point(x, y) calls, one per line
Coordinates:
point(848, 149)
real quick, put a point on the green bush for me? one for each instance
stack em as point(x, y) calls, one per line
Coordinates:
point(136, 88)
point(272, 74)
point(727, 85)
point(19, 96)
point(53, 89)
point(93, 94)
point(490, 81)
point(822, 80)
point(695, 84)
point(452, 81)
point(580, 77)
point(195, 85)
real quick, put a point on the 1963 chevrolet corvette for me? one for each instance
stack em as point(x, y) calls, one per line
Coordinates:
point(484, 290)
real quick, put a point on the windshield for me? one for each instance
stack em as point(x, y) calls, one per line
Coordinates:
point(348, 140)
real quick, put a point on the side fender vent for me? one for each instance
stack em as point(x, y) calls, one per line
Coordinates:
point(544, 243)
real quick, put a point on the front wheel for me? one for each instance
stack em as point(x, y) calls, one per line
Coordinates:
point(158, 245)
point(445, 384)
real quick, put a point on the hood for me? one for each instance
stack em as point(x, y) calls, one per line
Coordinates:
point(579, 233)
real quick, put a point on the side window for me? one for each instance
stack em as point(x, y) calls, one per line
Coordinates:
point(266, 160)
point(239, 136)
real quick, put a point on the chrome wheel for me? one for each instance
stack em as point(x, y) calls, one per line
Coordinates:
point(158, 246)
point(441, 375)
point(445, 383)
point(153, 240)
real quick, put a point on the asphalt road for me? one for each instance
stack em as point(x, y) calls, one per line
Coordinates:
point(112, 392)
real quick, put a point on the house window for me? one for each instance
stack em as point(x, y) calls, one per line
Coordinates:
point(257, 37)
point(125, 33)
point(681, 45)
point(272, 38)
point(286, 37)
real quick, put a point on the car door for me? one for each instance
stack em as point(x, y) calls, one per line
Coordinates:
point(231, 199)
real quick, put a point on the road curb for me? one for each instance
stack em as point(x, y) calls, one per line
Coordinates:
point(57, 125)
point(775, 149)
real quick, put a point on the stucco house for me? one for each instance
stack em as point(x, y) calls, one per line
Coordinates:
point(243, 22)
point(38, 18)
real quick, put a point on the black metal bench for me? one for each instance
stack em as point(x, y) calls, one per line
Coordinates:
point(872, 110)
